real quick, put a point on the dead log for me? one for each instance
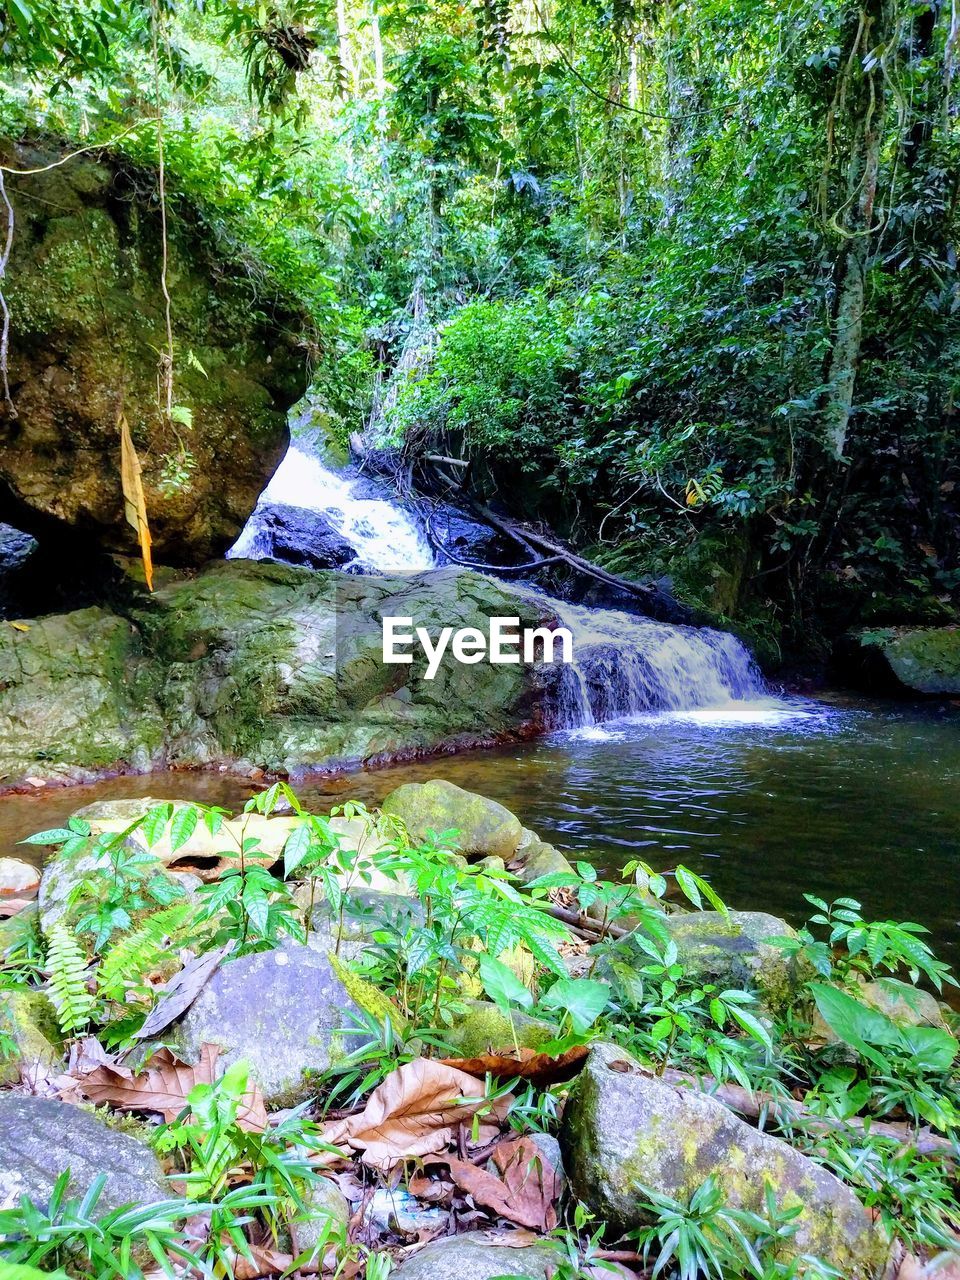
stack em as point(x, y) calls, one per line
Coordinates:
point(786, 1112)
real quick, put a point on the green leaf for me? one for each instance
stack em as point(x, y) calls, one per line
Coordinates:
point(857, 1025)
point(584, 999)
point(155, 822)
point(182, 827)
point(930, 1048)
point(297, 847)
point(502, 985)
point(696, 888)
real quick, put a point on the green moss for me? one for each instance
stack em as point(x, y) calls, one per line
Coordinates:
point(484, 1027)
point(367, 997)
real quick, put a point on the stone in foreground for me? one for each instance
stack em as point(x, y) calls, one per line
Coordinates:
point(485, 827)
point(283, 1011)
point(626, 1131)
point(479, 1255)
point(40, 1137)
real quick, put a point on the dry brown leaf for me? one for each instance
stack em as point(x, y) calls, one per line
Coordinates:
point(134, 503)
point(417, 1111)
point(164, 1086)
point(526, 1191)
point(181, 991)
point(526, 1064)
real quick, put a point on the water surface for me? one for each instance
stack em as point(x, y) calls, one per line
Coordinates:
point(769, 798)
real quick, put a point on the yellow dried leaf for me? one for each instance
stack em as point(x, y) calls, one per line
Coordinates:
point(20, 626)
point(134, 504)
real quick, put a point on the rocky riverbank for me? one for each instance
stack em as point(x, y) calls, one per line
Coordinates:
point(474, 1035)
point(257, 666)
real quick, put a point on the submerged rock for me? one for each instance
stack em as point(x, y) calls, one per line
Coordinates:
point(88, 319)
point(627, 1132)
point(283, 1011)
point(479, 1255)
point(922, 660)
point(484, 827)
point(40, 1138)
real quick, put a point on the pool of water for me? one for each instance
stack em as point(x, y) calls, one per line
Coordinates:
point(768, 798)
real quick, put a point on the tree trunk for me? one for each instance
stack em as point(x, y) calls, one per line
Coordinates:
point(855, 222)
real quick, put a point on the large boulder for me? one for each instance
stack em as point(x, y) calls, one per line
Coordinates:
point(40, 1138)
point(904, 660)
point(77, 695)
point(627, 1133)
point(293, 535)
point(479, 1255)
point(484, 826)
point(260, 664)
point(283, 1011)
point(87, 325)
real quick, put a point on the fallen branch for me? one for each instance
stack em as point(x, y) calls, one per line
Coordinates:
point(788, 1112)
point(439, 545)
point(586, 924)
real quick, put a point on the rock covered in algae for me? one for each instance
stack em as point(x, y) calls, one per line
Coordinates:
point(627, 1133)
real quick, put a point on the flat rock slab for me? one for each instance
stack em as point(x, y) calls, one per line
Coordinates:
point(627, 1132)
point(476, 1255)
point(40, 1137)
point(283, 1011)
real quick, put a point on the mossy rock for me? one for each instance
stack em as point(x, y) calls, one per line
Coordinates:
point(30, 1020)
point(733, 951)
point(627, 1133)
point(923, 660)
point(88, 319)
point(484, 826)
point(483, 1028)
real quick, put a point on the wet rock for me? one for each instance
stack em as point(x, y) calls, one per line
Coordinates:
point(479, 1255)
point(922, 660)
point(626, 1131)
point(40, 1137)
point(283, 1011)
point(484, 826)
point(17, 879)
point(294, 535)
point(75, 342)
point(535, 858)
point(28, 1019)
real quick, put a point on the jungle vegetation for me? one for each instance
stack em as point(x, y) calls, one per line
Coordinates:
point(678, 279)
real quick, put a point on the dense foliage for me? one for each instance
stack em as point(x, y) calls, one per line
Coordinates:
point(680, 280)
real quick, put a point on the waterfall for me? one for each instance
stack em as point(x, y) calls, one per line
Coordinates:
point(385, 538)
point(625, 665)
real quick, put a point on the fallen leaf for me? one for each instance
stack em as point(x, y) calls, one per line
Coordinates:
point(526, 1191)
point(20, 626)
point(527, 1065)
point(417, 1111)
point(164, 1087)
point(179, 993)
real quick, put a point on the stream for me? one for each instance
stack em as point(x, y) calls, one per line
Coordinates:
point(673, 750)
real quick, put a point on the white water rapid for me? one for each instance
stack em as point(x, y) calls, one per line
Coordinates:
point(386, 538)
point(626, 666)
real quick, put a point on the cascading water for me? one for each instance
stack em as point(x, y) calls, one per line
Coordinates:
point(624, 666)
point(385, 538)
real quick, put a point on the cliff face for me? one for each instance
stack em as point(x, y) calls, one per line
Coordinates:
point(87, 334)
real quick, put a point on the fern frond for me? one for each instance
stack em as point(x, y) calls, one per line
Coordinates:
point(127, 963)
point(67, 964)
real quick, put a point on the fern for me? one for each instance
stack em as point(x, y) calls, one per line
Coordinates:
point(68, 986)
point(125, 965)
